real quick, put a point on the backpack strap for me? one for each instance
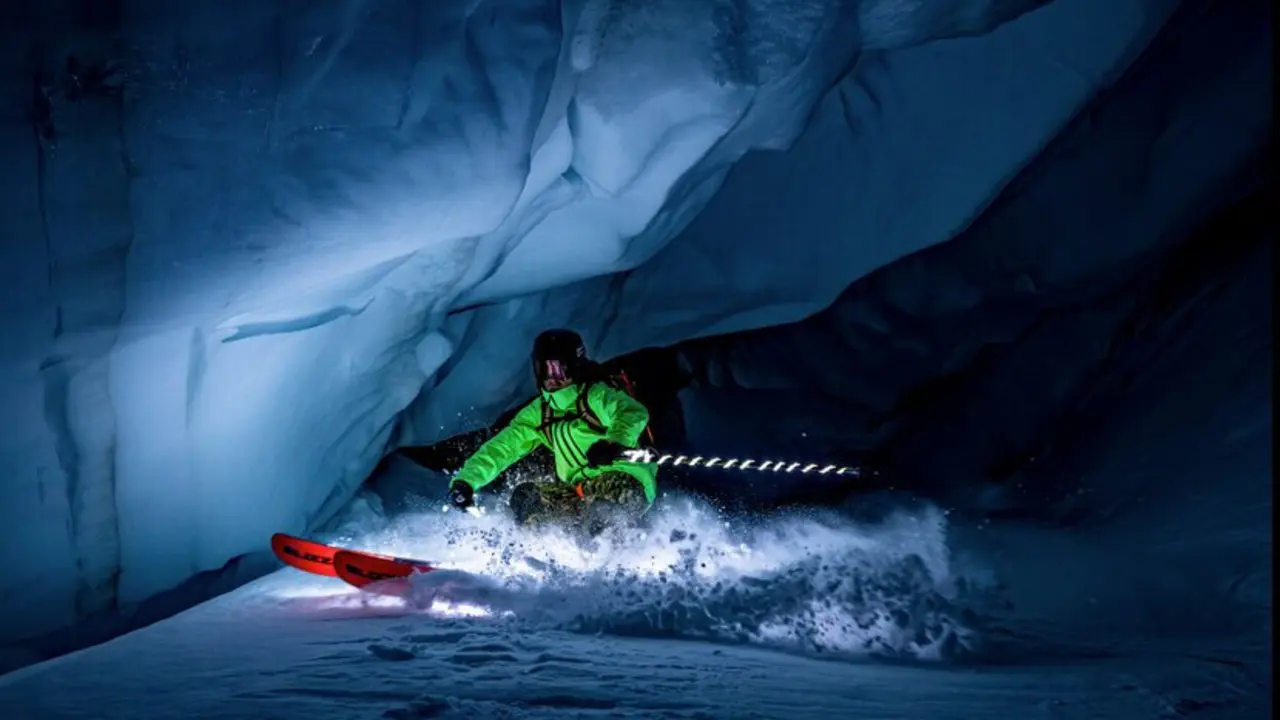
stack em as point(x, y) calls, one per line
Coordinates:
point(583, 410)
point(630, 389)
point(548, 417)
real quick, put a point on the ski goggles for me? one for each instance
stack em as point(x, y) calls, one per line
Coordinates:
point(555, 371)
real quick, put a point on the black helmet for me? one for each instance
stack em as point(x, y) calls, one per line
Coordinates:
point(559, 356)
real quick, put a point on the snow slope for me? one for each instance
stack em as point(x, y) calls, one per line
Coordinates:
point(722, 622)
point(241, 243)
point(319, 663)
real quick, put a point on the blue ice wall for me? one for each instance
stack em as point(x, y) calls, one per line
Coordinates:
point(1048, 262)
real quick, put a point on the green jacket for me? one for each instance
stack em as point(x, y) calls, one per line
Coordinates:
point(568, 436)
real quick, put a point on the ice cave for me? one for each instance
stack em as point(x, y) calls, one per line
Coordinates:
point(276, 267)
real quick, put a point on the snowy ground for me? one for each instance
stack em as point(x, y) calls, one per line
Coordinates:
point(785, 617)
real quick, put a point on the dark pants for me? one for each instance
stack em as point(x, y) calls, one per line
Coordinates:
point(610, 499)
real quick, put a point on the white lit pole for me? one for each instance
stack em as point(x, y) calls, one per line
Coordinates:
point(744, 464)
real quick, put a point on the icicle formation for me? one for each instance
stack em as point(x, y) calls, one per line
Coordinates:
point(741, 464)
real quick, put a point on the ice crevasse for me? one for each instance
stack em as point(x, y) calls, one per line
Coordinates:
point(247, 252)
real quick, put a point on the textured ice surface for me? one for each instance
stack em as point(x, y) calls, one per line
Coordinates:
point(1057, 260)
point(881, 171)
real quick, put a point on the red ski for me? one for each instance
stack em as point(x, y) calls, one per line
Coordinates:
point(305, 555)
point(382, 574)
point(378, 573)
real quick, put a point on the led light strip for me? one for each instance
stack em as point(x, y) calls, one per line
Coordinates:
point(646, 456)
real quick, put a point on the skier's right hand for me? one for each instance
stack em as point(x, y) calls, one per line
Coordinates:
point(461, 496)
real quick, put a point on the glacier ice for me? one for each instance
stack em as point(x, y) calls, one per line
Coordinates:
point(889, 131)
point(1187, 116)
point(1076, 363)
point(249, 251)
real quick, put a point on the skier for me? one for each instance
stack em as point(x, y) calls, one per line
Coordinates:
point(589, 424)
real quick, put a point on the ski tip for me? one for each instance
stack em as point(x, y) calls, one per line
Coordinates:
point(302, 554)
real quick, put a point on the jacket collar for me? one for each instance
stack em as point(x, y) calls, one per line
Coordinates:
point(562, 399)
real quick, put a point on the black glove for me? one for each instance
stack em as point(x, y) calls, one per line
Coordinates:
point(461, 496)
point(604, 452)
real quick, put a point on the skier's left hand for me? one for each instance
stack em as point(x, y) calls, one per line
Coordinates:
point(604, 452)
point(461, 496)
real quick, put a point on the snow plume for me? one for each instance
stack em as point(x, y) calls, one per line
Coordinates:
point(806, 582)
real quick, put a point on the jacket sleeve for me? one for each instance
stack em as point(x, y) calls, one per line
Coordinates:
point(623, 417)
point(502, 450)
